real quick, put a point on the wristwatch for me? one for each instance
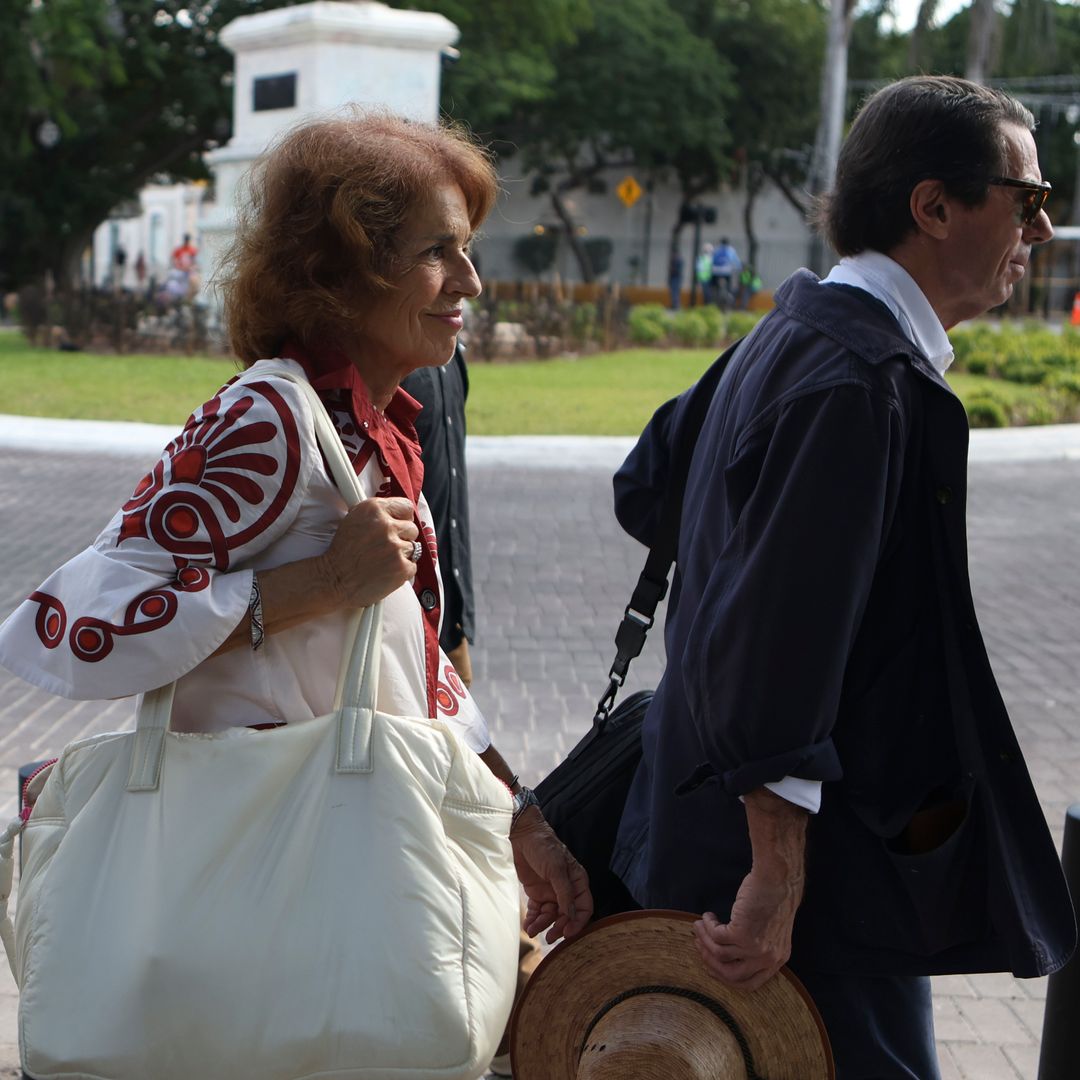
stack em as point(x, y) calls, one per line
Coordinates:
point(524, 797)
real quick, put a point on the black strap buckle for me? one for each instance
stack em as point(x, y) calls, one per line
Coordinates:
point(629, 641)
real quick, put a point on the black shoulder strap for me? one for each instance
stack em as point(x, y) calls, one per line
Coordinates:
point(652, 585)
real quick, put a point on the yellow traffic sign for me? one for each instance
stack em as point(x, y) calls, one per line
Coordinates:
point(629, 190)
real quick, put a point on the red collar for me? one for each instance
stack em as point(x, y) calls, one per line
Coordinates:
point(393, 431)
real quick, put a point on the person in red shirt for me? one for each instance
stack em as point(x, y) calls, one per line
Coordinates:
point(184, 256)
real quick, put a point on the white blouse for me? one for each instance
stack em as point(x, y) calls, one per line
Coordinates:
point(242, 488)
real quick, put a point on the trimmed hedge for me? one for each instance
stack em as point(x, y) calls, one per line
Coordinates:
point(1045, 362)
point(1024, 373)
point(696, 327)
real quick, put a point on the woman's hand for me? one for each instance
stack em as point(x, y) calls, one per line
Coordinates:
point(554, 881)
point(369, 557)
point(371, 553)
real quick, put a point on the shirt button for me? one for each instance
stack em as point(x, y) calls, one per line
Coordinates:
point(449, 421)
point(457, 572)
point(453, 523)
point(944, 494)
point(453, 471)
point(428, 600)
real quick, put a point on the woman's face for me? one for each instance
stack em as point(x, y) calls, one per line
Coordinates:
point(415, 324)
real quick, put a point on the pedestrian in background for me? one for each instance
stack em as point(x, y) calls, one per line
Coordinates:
point(726, 265)
point(675, 278)
point(703, 271)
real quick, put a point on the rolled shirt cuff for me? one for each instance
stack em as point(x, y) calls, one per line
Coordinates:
point(804, 793)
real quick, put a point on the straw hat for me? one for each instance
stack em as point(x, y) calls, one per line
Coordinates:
point(630, 999)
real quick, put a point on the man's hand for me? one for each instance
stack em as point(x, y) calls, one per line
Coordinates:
point(751, 948)
point(554, 881)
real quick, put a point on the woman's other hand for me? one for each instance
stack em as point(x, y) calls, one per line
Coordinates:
point(371, 553)
point(554, 881)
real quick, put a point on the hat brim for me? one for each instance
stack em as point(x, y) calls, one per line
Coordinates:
point(785, 1034)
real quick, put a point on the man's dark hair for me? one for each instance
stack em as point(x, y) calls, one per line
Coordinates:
point(926, 127)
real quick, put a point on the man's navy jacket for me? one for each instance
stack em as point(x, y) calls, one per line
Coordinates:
point(821, 625)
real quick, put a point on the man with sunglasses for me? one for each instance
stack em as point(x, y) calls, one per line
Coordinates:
point(828, 769)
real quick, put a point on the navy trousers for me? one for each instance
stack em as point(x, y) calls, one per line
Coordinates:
point(881, 1026)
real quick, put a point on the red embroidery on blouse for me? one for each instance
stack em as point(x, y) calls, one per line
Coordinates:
point(446, 701)
point(93, 639)
point(447, 694)
point(51, 620)
point(430, 541)
point(215, 454)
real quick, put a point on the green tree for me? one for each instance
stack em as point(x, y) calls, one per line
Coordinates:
point(506, 58)
point(636, 89)
point(775, 48)
point(99, 97)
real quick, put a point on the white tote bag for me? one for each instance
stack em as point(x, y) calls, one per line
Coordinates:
point(332, 898)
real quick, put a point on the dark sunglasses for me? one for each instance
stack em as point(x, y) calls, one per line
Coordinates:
point(1036, 192)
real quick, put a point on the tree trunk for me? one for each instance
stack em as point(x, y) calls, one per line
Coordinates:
point(916, 45)
point(981, 40)
point(831, 125)
point(576, 246)
point(65, 263)
point(833, 94)
point(755, 177)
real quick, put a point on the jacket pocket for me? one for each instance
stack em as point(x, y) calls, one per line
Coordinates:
point(941, 864)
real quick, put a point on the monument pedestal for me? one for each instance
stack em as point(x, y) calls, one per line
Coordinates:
point(298, 62)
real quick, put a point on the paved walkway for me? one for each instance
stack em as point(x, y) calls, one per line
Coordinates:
point(553, 574)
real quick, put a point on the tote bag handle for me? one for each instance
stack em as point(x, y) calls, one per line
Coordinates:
point(358, 678)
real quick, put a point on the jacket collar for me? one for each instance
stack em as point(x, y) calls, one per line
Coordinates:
point(864, 326)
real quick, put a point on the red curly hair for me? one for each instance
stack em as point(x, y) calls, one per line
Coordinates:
point(315, 240)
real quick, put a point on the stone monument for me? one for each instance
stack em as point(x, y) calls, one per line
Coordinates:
point(297, 62)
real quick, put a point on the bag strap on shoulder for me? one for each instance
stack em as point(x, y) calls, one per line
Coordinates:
point(359, 674)
point(652, 584)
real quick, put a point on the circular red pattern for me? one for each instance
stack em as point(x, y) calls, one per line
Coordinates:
point(192, 579)
point(181, 522)
point(88, 640)
point(51, 619)
point(153, 607)
point(445, 700)
point(454, 680)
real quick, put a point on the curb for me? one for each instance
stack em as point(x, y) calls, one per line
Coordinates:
point(1054, 442)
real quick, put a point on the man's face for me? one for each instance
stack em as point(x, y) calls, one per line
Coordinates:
point(989, 246)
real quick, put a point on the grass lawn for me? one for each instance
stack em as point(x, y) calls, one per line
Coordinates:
point(614, 394)
point(86, 386)
point(610, 394)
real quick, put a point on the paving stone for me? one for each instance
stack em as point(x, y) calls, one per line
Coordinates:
point(993, 1022)
point(996, 984)
point(953, 986)
point(950, 1024)
point(950, 1070)
point(1030, 1011)
point(975, 1061)
point(1024, 1059)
